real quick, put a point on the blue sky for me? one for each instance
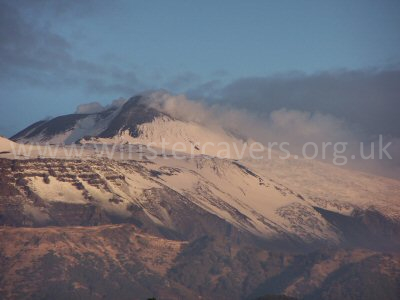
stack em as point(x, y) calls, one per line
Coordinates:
point(243, 38)
point(55, 55)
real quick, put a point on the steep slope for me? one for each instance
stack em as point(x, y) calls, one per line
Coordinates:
point(338, 189)
point(135, 122)
point(182, 199)
point(66, 129)
point(164, 135)
point(133, 113)
point(5, 145)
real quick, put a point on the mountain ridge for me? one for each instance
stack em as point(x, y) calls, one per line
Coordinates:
point(106, 123)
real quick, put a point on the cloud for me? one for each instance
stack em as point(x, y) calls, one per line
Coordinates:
point(353, 106)
point(23, 46)
point(283, 125)
point(32, 54)
point(279, 126)
point(96, 107)
point(118, 102)
point(369, 99)
point(89, 108)
point(209, 89)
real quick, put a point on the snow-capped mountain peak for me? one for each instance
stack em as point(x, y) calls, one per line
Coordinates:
point(107, 123)
point(137, 121)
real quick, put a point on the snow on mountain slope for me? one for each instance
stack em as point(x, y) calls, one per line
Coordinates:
point(169, 192)
point(262, 196)
point(58, 191)
point(165, 133)
point(235, 193)
point(222, 188)
point(333, 188)
point(5, 144)
point(67, 129)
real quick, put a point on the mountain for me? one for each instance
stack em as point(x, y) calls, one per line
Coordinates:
point(134, 122)
point(68, 129)
point(225, 228)
point(171, 194)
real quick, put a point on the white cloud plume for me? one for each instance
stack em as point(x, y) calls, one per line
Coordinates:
point(89, 108)
point(283, 125)
point(96, 107)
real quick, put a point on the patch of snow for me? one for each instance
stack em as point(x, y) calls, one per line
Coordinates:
point(57, 191)
point(5, 144)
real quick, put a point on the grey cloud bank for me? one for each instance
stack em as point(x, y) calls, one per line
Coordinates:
point(33, 54)
point(367, 98)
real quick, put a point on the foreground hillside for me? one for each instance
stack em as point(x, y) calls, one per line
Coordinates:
point(122, 262)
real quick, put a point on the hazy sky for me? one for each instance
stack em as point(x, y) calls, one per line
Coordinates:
point(55, 55)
